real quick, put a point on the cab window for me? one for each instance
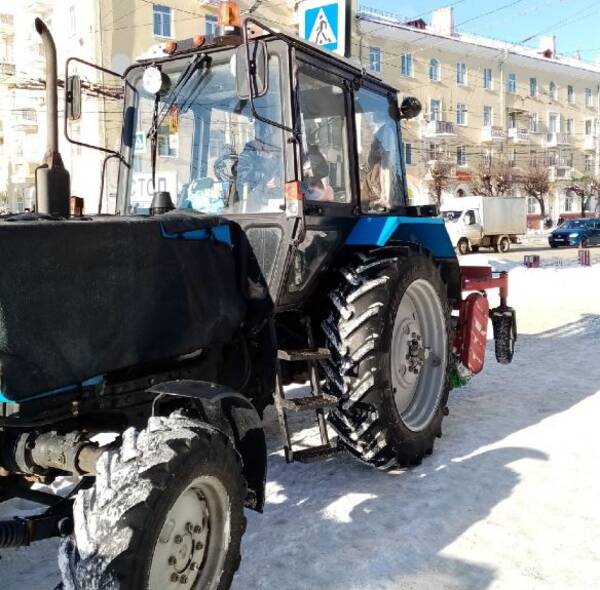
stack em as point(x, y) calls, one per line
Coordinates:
point(379, 156)
point(322, 101)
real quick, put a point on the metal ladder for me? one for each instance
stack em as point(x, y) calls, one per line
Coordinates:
point(316, 401)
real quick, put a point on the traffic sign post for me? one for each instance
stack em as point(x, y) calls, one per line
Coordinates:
point(326, 23)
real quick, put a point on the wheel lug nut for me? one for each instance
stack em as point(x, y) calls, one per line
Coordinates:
point(172, 560)
point(178, 539)
point(197, 529)
point(174, 577)
point(183, 579)
point(199, 545)
point(189, 527)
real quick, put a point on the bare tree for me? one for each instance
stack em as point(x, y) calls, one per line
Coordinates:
point(536, 183)
point(583, 187)
point(492, 178)
point(441, 174)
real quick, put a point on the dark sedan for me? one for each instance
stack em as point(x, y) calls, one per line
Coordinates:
point(576, 232)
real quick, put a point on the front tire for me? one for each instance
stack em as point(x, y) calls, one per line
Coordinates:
point(463, 246)
point(166, 512)
point(389, 337)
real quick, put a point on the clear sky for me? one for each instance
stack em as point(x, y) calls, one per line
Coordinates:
point(576, 23)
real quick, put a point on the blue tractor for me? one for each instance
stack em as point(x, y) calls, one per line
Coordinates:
point(139, 349)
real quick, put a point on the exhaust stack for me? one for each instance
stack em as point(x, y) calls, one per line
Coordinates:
point(53, 183)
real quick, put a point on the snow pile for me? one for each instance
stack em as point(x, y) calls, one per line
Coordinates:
point(508, 500)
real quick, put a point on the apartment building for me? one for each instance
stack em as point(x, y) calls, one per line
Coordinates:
point(111, 33)
point(483, 99)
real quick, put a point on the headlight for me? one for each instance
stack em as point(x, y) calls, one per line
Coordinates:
point(573, 235)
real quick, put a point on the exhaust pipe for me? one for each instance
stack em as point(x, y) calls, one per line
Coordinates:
point(52, 180)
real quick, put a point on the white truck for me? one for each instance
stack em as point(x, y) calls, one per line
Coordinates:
point(489, 222)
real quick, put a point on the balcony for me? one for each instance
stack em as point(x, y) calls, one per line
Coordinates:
point(518, 135)
point(24, 173)
point(492, 133)
point(590, 142)
point(7, 24)
point(38, 6)
point(557, 173)
point(25, 120)
point(554, 139)
point(439, 129)
point(7, 68)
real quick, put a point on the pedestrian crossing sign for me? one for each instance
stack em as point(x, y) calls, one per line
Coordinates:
point(323, 22)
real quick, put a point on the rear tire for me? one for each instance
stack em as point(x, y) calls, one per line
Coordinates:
point(502, 245)
point(387, 414)
point(166, 511)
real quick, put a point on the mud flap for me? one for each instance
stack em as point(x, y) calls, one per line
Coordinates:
point(504, 323)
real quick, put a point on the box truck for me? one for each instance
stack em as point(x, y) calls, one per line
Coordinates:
point(489, 222)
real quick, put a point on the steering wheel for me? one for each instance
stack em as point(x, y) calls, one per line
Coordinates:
point(225, 166)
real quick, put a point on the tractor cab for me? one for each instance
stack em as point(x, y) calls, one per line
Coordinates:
point(272, 133)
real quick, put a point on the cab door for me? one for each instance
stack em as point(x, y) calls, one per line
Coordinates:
point(472, 224)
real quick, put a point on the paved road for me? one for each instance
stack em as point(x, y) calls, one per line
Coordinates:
point(548, 256)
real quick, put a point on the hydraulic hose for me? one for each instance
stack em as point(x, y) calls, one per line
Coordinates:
point(13, 533)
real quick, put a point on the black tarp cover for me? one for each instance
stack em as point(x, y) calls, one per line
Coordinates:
point(79, 299)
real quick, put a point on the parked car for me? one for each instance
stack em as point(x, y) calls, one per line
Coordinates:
point(576, 232)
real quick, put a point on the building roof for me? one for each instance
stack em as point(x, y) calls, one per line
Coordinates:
point(394, 21)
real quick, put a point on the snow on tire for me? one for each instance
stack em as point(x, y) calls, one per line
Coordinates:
point(166, 511)
point(389, 336)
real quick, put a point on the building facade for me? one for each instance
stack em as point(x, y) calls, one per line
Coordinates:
point(486, 100)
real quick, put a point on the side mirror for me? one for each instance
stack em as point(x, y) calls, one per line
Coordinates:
point(129, 127)
point(259, 72)
point(410, 107)
point(74, 98)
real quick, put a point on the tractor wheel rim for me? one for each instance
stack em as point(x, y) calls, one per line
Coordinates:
point(418, 354)
point(192, 546)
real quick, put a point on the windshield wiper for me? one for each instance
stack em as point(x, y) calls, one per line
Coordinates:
point(158, 117)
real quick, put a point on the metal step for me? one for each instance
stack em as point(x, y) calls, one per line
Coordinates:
point(314, 454)
point(304, 354)
point(311, 402)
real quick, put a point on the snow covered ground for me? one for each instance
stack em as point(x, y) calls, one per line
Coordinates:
point(509, 500)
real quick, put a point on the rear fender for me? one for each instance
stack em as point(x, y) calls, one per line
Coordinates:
point(235, 416)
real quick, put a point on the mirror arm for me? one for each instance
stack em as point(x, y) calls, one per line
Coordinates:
point(251, 89)
point(66, 118)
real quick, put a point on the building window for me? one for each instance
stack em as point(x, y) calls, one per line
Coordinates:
point(512, 120)
point(408, 154)
point(487, 116)
point(534, 122)
point(461, 114)
point(407, 64)
point(488, 81)
point(552, 91)
point(588, 163)
point(434, 70)
point(571, 94)
point(570, 125)
point(461, 74)
point(162, 20)
point(568, 203)
point(511, 85)
point(461, 155)
point(553, 123)
point(588, 126)
point(532, 205)
point(375, 59)
point(588, 97)
point(533, 87)
point(435, 110)
point(210, 25)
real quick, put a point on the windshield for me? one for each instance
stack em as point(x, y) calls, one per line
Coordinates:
point(575, 224)
point(212, 155)
point(451, 215)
